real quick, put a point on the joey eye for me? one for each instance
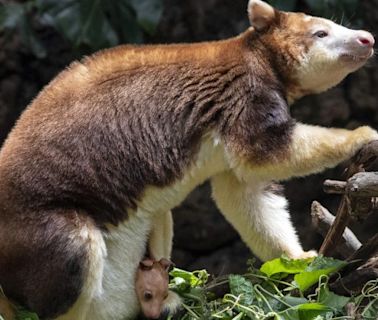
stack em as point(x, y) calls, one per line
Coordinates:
point(321, 34)
point(147, 296)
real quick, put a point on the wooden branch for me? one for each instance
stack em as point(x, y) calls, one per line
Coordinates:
point(337, 229)
point(366, 251)
point(361, 208)
point(363, 184)
point(334, 186)
point(361, 160)
point(354, 282)
point(322, 220)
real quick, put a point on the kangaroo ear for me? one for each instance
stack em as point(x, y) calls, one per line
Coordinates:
point(146, 264)
point(261, 15)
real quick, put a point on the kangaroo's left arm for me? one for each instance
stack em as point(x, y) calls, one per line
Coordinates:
point(260, 215)
point(311, 150)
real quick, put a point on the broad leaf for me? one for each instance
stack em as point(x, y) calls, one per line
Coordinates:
point(184, 280)
point(30, 39)
point(309, 311)
point(240, 286)
point(124, 21)
point(317, 268)
point(284, 265)
point(148, 13)
point(10, 15)
point(331, 299)
point(287, 5)
point(22, 314)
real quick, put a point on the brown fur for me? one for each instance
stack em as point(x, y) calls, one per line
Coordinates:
point(107, 127)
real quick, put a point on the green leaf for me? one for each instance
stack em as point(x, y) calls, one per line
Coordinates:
point(65, 17)
point(148, 13)
point(287, 5)
point(294, 301)
point(371, 310)
point(243, 287)
point(284, 265)
point(30, 38)
point(96, 30)
point(10, 15)
point(318, 267)
point(123, 20)
point(23, 314)
point(309, 311)
point(184, 280)
point(331, 299)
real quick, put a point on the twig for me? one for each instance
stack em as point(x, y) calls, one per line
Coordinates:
point(334, 186)
point(322, 220)
point(337, 229)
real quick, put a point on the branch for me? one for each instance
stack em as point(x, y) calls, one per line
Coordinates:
point(336, 231)
point(354, 282)
point(322, 220)
point(363, 184)
point(367, 251)
point(334, 186)
point(361, 160)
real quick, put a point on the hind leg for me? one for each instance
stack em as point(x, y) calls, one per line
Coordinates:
point(51, 263)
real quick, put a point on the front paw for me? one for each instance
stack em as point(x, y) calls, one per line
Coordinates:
point(363, 135)
point(172, 303)
point(305, 255)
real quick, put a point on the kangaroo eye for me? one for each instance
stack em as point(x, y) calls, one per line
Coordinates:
point(147, 296)
point(321, 34)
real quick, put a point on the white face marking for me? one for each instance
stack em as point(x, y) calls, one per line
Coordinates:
point(335, 52)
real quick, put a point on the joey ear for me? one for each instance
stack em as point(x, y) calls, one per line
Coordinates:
point(146, 264)
point(166, 264)
point(261, 15)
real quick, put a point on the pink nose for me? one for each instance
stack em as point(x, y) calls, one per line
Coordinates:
point(365, 39)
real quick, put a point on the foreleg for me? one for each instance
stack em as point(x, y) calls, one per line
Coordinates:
point(311, 150)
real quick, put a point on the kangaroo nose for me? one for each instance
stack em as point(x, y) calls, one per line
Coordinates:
point(365, 39)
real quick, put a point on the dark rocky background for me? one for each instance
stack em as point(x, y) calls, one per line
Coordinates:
point(203, 239)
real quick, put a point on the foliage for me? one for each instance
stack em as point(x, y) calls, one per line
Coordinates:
point(85, 24)
point(270, 293)
point(282, 289)
point(343, 11)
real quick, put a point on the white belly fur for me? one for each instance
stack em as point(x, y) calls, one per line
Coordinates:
point(125, 244)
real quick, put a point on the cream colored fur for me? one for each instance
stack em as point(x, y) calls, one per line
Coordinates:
point(160, 241)
point(312, 150)
point(323, 57)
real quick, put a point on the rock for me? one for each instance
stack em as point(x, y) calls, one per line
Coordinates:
point(199, 227)
point(229, 259)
